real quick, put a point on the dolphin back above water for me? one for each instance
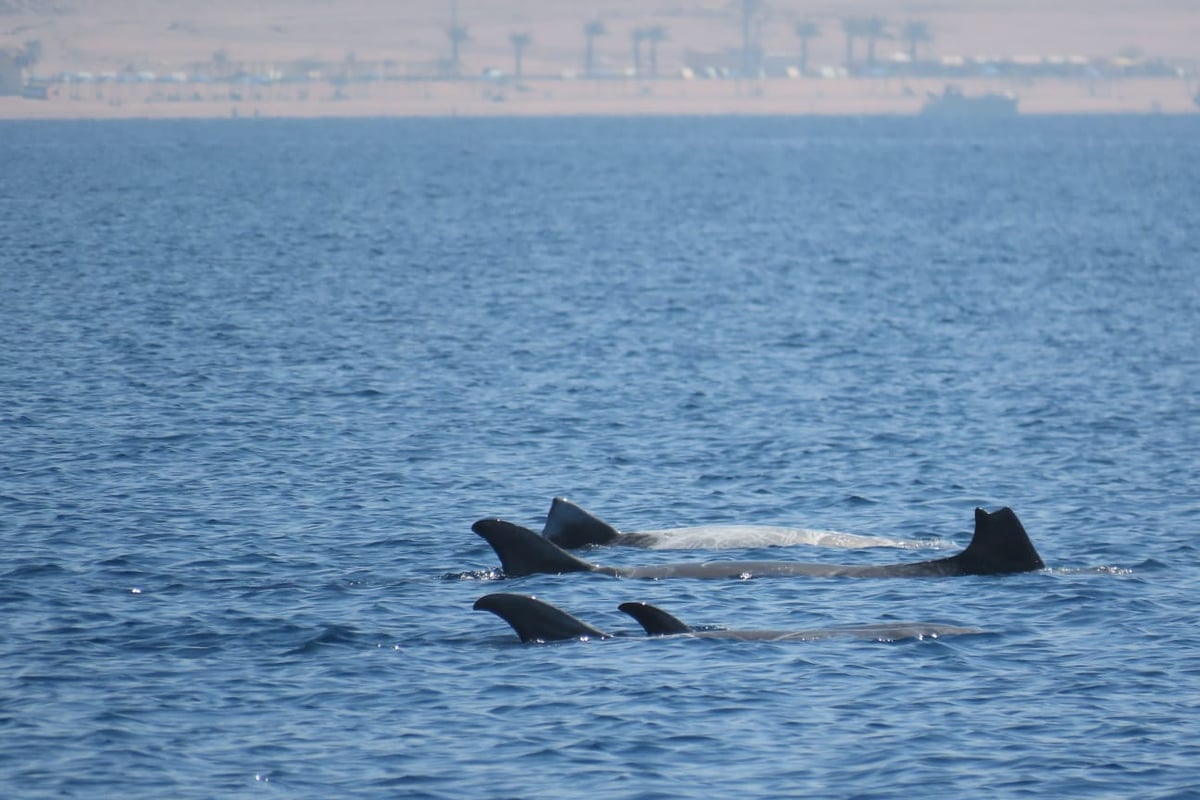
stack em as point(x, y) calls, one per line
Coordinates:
point(657, 622)
point(537, 621)
point(999, 546)
point(570, 526)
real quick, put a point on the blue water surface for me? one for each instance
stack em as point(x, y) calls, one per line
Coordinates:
point(258, 378)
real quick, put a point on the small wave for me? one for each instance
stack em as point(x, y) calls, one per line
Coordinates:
point(474, 575)
point(329, 636)
point(369, 393)
point(35, 571)
point(1097, 570)
point(15, 503)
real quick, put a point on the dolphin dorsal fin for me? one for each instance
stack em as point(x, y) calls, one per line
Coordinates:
point(569, 526)
point(1000, 545)
point(656, 621)
point(536, 621)
point(523, 552)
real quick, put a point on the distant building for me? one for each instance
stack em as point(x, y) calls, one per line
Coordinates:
point(10, 74)
point(729, 64)
point(713, 65)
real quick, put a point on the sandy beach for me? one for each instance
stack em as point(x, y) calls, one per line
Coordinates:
point(436, 99)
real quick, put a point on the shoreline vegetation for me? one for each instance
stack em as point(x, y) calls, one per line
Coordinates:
point(78, 59)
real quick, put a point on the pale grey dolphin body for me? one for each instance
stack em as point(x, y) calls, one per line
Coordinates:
point(570, 526)
point(999, 546)
point(537, 621)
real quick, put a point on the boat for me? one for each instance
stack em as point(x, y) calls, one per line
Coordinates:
point(35, 90)
point(953, 103)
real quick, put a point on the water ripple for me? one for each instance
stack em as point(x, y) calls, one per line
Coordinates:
point(250, 411)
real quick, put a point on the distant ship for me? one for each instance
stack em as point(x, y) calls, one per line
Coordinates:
point(953, 103)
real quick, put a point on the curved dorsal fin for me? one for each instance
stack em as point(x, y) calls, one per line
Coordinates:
point(569, 526)
point(523, 552)
point(1000, 545)
point(535, 621)
point(656, 621)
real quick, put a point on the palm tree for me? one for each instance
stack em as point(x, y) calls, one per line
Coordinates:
point(751, 60)
point(457, 34)
point(591, 30)
point(29, 55)
point(222, 67)
point(853, 28)
point(915, 33)
point(519, 42)
point(806, 30)
point(874, 29)
point(638, 34)
point(654, 35)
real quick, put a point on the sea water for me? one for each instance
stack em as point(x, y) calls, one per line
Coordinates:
point(258, 378)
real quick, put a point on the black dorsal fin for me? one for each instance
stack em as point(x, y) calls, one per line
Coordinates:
point(535, 621)
point(1000, 545)
point(656, 621)
point(569, 526)
point(523, 552)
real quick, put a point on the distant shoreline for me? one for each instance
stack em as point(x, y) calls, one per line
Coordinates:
point(540, 98)
point(377, 58)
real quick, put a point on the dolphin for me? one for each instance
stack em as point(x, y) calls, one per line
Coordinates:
point(538, 621)
point(535, 621)
point(571, 527)
point(999, 546)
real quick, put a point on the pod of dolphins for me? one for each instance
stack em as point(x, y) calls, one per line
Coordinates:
point(999, 546)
